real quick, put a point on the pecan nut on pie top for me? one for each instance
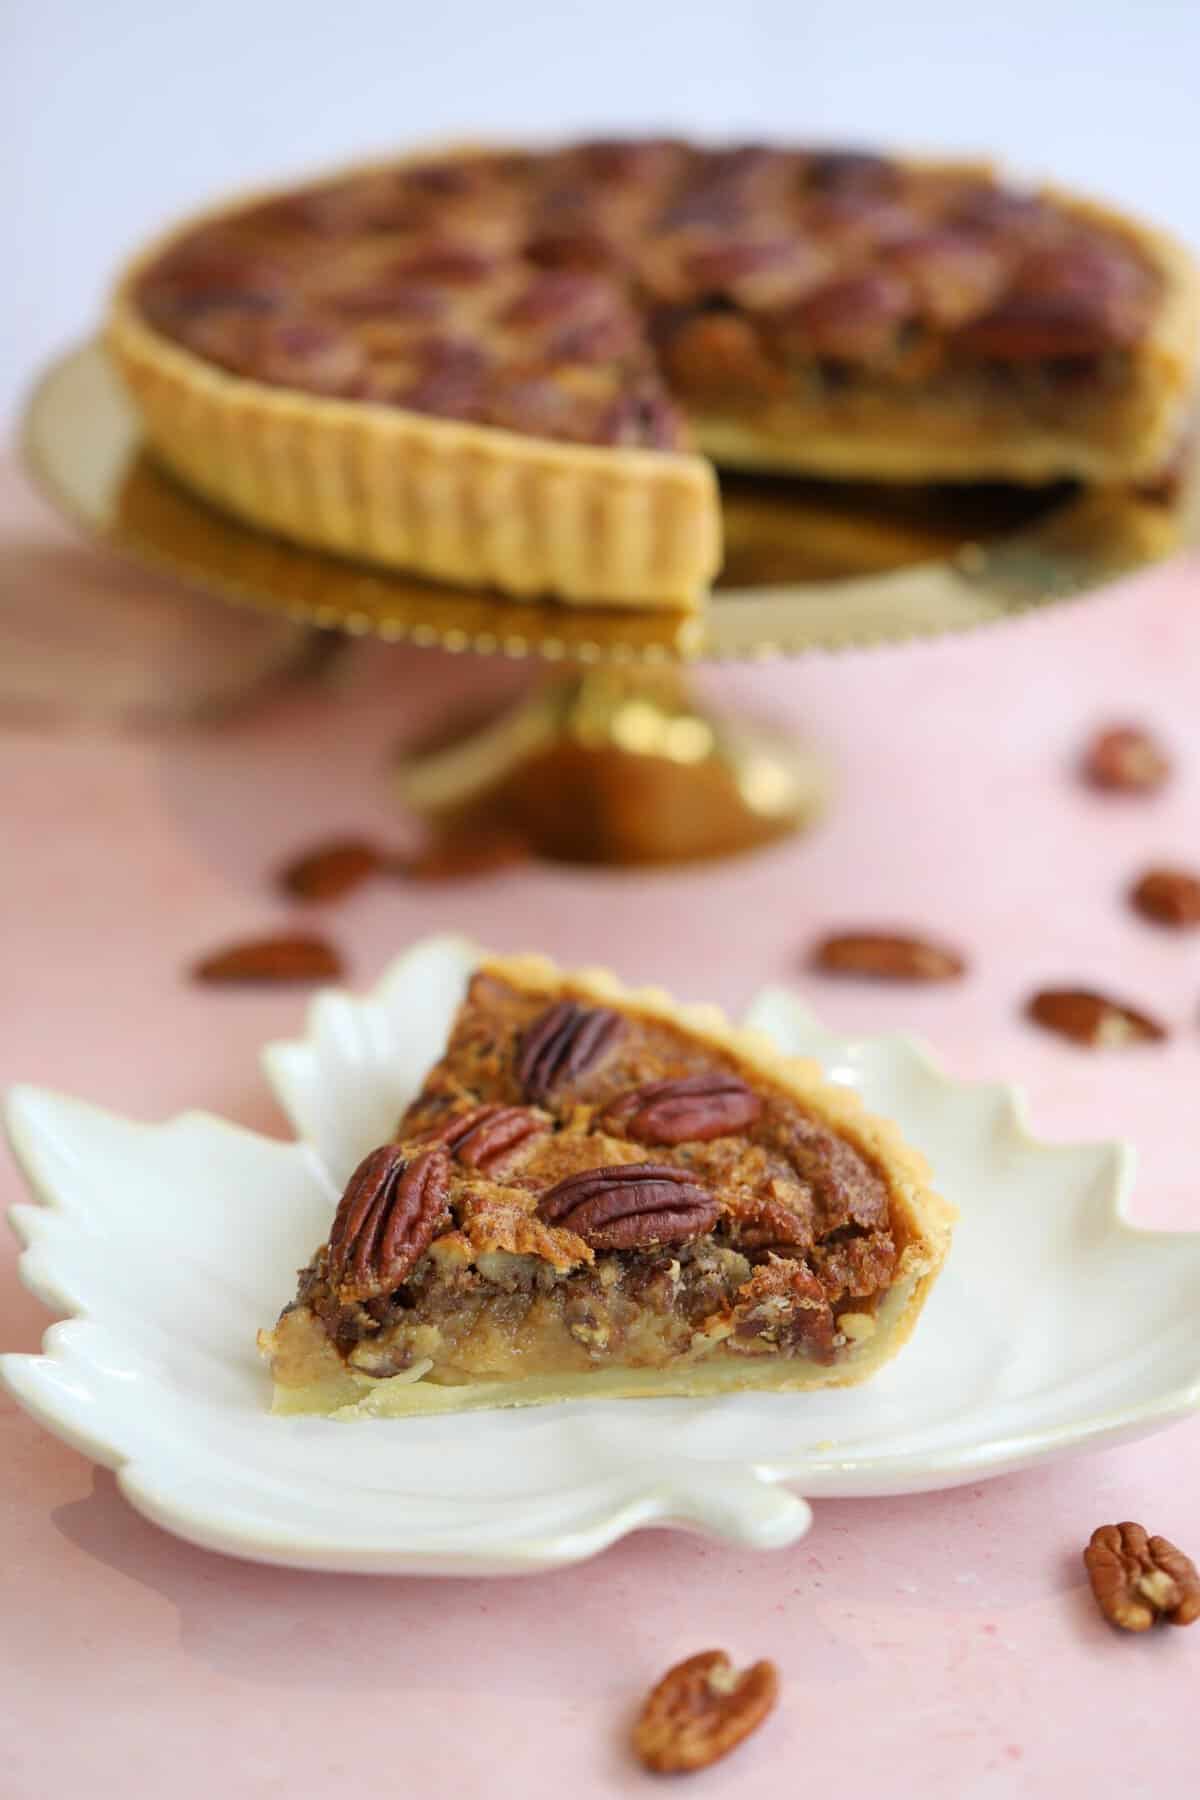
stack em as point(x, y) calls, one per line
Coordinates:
point(512, 368)
point(599, 1193)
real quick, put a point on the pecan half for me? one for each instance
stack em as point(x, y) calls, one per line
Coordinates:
point(885, 956)
point(628, 1206)
point(1169, 897)
point(1138, 1580)
point(1092, 1019)
point(485, 1135)
point(330, 870)
point(293, 957)
point(1066, 301)
point(1126, 759)
point(854, 318)
point(701, 1710)
point(562, 1043)
point(391, 1211)
point(693, 1109)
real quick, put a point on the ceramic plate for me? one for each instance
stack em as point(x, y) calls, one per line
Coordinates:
point(1055, 1326)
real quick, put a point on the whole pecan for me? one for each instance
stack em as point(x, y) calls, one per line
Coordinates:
point(1138, 1579)
point(692, 1109)
point(485, 1135)
point(391, 1211)
point(330, 870)
point(701, 1710)
point(563, 1042)
point(887, 956)
point(1092, 1019)
point(1126, 759)
point(628, 1206)
point(1169, 897)
point(291, 957)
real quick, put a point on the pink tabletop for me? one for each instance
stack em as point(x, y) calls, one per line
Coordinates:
point(944, 1645)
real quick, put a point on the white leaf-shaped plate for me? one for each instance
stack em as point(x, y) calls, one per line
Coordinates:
point(1055, 1326)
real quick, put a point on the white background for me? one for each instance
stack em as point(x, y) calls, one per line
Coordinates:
point(114, 114)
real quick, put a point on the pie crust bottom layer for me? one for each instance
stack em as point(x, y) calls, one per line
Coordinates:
point(600, 1194)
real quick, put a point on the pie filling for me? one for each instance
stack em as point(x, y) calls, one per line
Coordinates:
point(652, 294)
point(579, 1187)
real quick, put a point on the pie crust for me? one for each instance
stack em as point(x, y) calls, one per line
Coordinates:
point(323, 1351)
point(535, 516)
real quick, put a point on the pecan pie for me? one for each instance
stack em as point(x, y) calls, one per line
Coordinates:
point(599, 1193)
point(512, 368)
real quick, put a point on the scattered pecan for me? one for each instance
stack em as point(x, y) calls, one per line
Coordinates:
point(692, 1109)
point(485, 1135)
point(1138, 1579)
point(294, 957)
point(330, 870)
point(701, 1710)
point(1169, 897)
point(1092, 1019)
point(884, 956)
point(1126, 759)
point(390, 1213)
point(462, 855)
point(630, 1205)
point(563, 1042)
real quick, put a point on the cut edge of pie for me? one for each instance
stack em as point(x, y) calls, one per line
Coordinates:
point(313, 1375)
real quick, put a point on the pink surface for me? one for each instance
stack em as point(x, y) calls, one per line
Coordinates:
point(943, 1645)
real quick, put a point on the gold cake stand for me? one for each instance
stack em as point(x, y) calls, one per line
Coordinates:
point(610, 758)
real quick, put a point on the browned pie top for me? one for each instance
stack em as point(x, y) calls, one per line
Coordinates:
point(562, 1130)
point(581, 293)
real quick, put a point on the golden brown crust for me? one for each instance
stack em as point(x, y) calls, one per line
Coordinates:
point(483, 506)
point(312, 1376)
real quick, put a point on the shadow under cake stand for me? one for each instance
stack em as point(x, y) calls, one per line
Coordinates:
point(610, 758)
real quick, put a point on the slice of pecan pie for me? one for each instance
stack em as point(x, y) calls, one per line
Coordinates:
point(511, 368)
point(599, 1193)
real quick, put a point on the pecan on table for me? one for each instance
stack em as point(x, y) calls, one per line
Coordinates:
point(330, 870)
point(292, 957)
point(701, 1710)
point(1092, 1019)
point(887, 956)
point(1169, 897)
point(391, 1211)
point(630, 1206)
point(1125, 759)
point(1138, 1580)
point(565, 1041)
